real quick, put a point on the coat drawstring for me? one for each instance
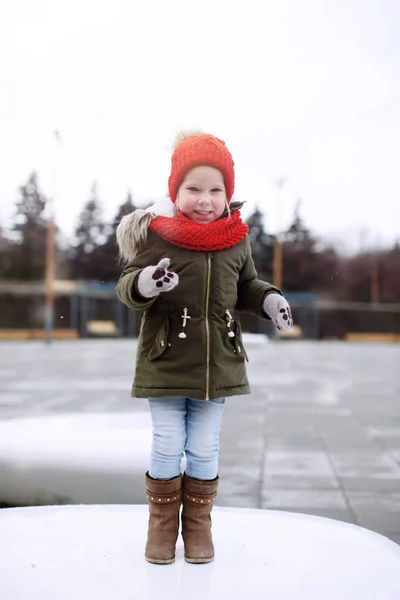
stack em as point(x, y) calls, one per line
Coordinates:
point(185, 317)
point(229, 321)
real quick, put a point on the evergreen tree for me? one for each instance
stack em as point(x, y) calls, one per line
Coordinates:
point(307, 266)
point(107, 253)
point(89, 236)
point(124, 209)
point(5, 255)
point(28, 249)
point(261, 245)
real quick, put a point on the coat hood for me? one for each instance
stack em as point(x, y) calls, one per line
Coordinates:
point(132, 229)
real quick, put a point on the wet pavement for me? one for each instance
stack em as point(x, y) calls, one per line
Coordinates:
point(320, 433)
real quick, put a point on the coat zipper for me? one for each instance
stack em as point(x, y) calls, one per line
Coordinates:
point(208, 328)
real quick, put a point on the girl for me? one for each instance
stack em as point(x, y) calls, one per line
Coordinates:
point(189, 271)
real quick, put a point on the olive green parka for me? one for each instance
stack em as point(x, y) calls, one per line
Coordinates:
point(213, 286)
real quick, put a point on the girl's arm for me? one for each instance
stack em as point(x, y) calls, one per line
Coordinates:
point(126, 288)
point(251, 290)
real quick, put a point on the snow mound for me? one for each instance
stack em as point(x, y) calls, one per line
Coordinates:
point(87, 552)
point(73, 459)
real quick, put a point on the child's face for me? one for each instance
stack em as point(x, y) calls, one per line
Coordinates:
point(201, 195)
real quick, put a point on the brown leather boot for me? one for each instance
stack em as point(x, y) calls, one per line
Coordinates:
point(198, 498)
point(164, 499)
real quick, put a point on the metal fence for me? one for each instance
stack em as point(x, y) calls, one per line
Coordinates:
point(80, 305)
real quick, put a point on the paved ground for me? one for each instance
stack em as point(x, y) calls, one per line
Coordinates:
point(320, 433)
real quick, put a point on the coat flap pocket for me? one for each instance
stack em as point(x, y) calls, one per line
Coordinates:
point(235, 333)
point(161, 341)
point(240, 349)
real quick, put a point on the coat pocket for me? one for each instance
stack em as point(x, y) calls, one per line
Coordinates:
point(160, 342)
point(235, 341)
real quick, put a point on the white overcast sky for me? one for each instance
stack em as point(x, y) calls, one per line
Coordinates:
point(308, 89)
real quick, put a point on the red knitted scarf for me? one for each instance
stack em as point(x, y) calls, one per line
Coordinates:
point(185, 233)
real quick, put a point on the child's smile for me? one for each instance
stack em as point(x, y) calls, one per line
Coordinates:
point(201, 195)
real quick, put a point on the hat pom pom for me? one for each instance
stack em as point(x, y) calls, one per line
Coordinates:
point(182, 135)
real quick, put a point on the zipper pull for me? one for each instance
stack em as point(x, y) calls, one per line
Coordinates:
point(185, 317)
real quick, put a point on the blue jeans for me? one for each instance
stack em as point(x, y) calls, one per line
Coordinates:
point(184, 425)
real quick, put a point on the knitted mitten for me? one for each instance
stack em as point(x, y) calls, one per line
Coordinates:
point(155, 279)
point(278, 309)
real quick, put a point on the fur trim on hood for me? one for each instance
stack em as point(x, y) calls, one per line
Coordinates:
point(132, 229)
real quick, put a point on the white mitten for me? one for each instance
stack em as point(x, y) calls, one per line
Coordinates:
point(278, 309)
point(155, 279)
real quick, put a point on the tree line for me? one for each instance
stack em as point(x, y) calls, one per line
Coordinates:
point(309, 263)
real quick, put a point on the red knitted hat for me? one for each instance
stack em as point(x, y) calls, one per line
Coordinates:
point(198, 150)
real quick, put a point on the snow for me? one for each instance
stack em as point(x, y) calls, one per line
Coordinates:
point(73, 459)
point(255, 338)
point(96, 552)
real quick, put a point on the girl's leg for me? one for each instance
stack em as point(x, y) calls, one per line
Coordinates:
point(200, 482)
point(168, 417)
point(164, 481)
point(203, 425)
